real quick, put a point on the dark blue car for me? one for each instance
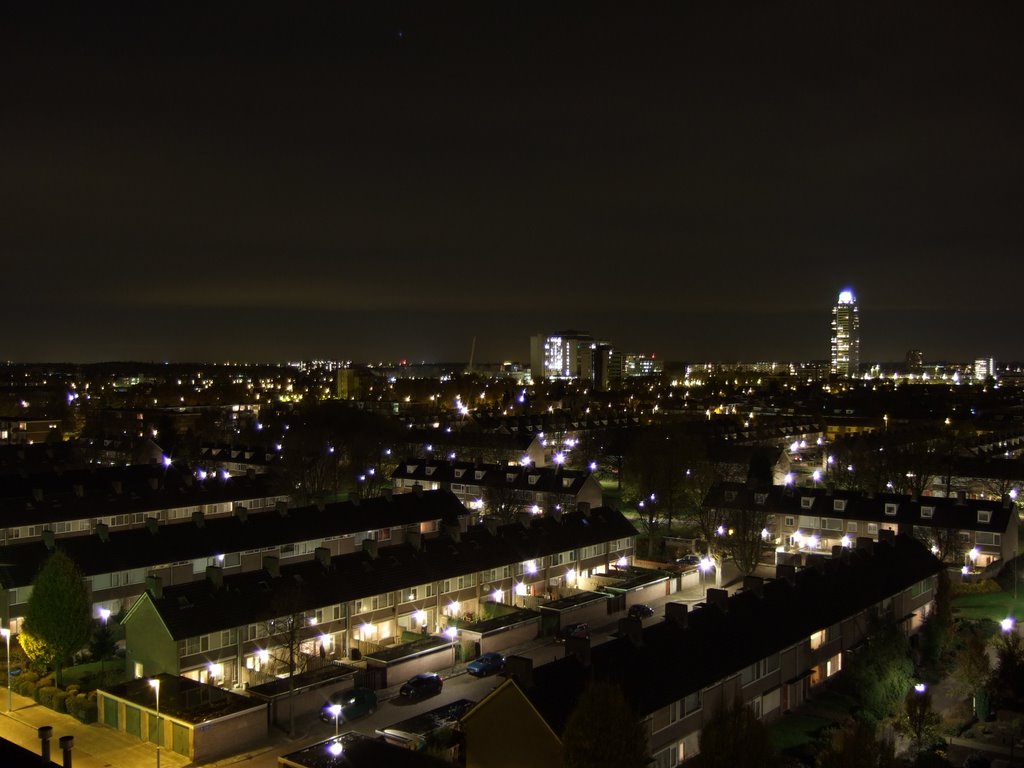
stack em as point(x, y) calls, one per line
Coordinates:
point(488, 664)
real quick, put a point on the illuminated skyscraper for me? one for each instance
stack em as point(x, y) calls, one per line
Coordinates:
point(845, 335)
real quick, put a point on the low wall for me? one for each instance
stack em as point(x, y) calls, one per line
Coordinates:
point(399, 671)
point(229, 735)
point(501, 639)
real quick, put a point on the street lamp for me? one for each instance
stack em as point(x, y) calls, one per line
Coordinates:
point(703, 567)
point(155, 685)
point(335, 709)
point(1007, 625)
point(6, 632)
point(451, 633)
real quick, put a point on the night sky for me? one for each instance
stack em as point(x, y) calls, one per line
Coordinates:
point(383, 181)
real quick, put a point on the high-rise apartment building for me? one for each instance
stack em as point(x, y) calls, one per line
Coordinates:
point(845, 335)
point(560, 355)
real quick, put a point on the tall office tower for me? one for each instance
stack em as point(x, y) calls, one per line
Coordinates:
point(915, 360)
point(558, 355)
point(845, 336)
point(983, 368)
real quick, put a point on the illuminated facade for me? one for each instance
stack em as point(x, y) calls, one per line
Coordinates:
point(561, 355)
point(845, 335)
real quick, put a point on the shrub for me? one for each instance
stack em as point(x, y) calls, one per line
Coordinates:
point(44, 695)
point(26, 688)
point(82, 708)
point(30, 677)
point(59, 703)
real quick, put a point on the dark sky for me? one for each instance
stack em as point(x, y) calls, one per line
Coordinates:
point(379, 181)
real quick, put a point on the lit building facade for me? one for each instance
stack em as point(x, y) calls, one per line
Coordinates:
point(562, 355)
point(845, 335)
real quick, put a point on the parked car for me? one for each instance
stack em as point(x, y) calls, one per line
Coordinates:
point(580, 629)
point(488, 664)
point(640, 611)
point(688, 560)
point(421, 686)
point(354, 703)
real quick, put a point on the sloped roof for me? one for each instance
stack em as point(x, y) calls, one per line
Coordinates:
point(198, 607)
point(674, 661)
point(173, 542)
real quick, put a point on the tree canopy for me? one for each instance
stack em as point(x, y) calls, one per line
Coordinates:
point(603, 730)
point(58, 614)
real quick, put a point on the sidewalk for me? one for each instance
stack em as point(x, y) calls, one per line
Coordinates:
point(96, 746)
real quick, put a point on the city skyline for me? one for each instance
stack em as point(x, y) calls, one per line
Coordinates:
point(391, 182)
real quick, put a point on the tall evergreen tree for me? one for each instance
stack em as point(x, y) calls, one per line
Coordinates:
point(58, 613)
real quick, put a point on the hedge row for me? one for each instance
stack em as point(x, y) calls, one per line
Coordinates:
point(81, 706)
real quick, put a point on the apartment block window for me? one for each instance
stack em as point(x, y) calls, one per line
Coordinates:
point(806, 502)
point(851, 527)
point(984, 516)
point(890, 509)
point(927, 512)
point(760, 498)
point(872, 529)
point(839, 505)
point(790, 521)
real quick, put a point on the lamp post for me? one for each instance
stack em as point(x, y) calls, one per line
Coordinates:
point(703, 567)
point(155, 685)
point(6, 632)
point(335, 709)
point(451, 633)
point(104, 615)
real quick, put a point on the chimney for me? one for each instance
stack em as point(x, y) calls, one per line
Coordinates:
point(524, 519)
point(816, 561)
point(323, 556)
point(580, 648)
point(103, 531)
point(718, 598)
point(155, 586)
point(282, 508)
point(865, 542)
point(414, 539)
point(451, 530)
point(116, 485)
point(45, 734)
point(584, 507)
point(241, 512)
point(754, 584)
point(520, 669)
point(633, 629)
point(198, 520)
point(37, 494)
point(678, 613)
point(491, 525)
point(48, 538)
point(370, 548)
point(786, 571)
point(215, 575)
point(79, 490)
point(272, 565)
point(67, 743)
point(387, 493)
point(152, 526)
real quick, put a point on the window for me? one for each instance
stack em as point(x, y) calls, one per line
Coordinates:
point(759, 669)
point(839, 505)
point(760, 498)
point(730, 495)
point(872, 529)
point(984, 537)
point(927, 512)
point(851, 527)
point(790, 521)
point(890, 509)
point(831, 524)
point(806, 502)
point(984, 516)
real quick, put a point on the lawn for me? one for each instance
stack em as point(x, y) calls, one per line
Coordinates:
point(95, 673)
point(995, 606)
point(796, 730)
